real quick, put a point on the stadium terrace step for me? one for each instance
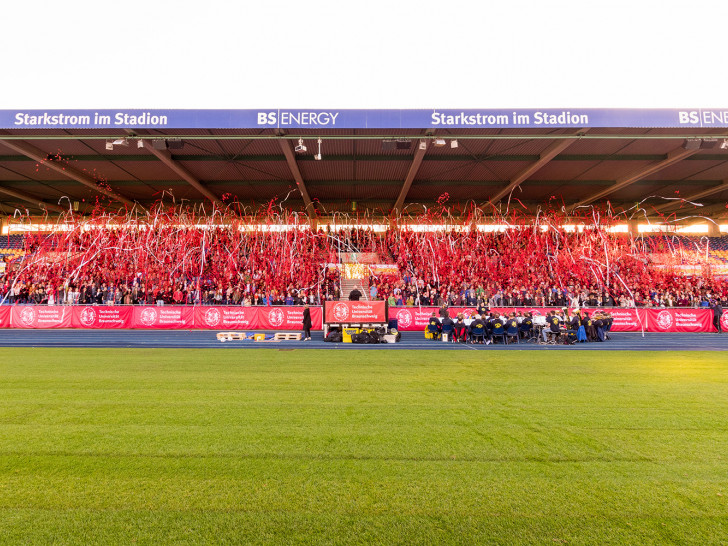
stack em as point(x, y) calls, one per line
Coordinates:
point(347, 285)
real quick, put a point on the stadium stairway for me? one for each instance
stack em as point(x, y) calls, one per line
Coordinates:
point(347, 285)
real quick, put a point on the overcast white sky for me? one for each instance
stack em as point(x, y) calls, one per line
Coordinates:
point(370, 54)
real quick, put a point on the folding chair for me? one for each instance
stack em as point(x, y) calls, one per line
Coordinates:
point(447, 330)
point(526, 329)
point(434, 330)
point(499, 331)
point(478, 333)
point(513, 332)
point(461, 333)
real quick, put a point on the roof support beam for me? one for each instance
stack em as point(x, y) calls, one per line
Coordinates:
point(287, 149)
point(714, 211)
point(547, 155)
point(166, 157)
point(723, 186)
point(411, 174)
point(62, 168)
point(30, 199)
point(674, 156)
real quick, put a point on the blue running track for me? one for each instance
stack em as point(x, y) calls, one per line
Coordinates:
point(206, 339)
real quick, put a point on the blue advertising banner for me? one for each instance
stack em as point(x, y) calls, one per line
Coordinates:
point(362, 119)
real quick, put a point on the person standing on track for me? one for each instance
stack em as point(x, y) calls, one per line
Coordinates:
point(306, 323)
point(717, 313)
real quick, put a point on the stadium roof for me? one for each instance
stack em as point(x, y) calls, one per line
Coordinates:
point(383, 169)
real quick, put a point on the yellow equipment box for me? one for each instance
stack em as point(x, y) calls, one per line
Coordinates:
point(347, 332)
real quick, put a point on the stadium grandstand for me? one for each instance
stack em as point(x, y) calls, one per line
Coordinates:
point(607, 207)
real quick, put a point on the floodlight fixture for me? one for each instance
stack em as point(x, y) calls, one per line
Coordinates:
point(300, 148)
point(454, 143)
point(140, 143)
point(691, 144)
point(724, 144)
point(109, 145)
point(120, 142)
point(423, 144)
point(403, 144)
point(439, 142)
point(389, 144)
point(317, 157)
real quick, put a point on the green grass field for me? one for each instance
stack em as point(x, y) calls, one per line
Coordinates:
point(367, 447)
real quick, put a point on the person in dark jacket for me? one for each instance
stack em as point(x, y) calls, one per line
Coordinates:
point(307, 323)
point(355, 294)
point(717, 313)
point(477, 328)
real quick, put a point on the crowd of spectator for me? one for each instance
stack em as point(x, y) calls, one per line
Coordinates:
point(534, 268)
point(229, 266)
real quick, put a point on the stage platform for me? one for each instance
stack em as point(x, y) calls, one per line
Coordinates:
point(206, 339)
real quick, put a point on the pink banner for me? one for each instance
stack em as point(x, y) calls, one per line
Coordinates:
point(625, 320)
point(411, 318)
point(40, 316)
point(680, 320)
point(290, 318)
point(162, 317)
point(5, 316)
point(227, 318)
point(279, 317)
point(91, 316)
point(355, 312)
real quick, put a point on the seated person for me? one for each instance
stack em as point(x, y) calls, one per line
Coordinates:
point(599, 325)
point(497, 327)
point(512, 324)
point(607, 319)
point(589, 327)
point(574, 322)
point(477, 330)
point(577, 325)
point(526, 324)
point(460, 330)
point(434, 327)
point(448, 325)
point(553, 328)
